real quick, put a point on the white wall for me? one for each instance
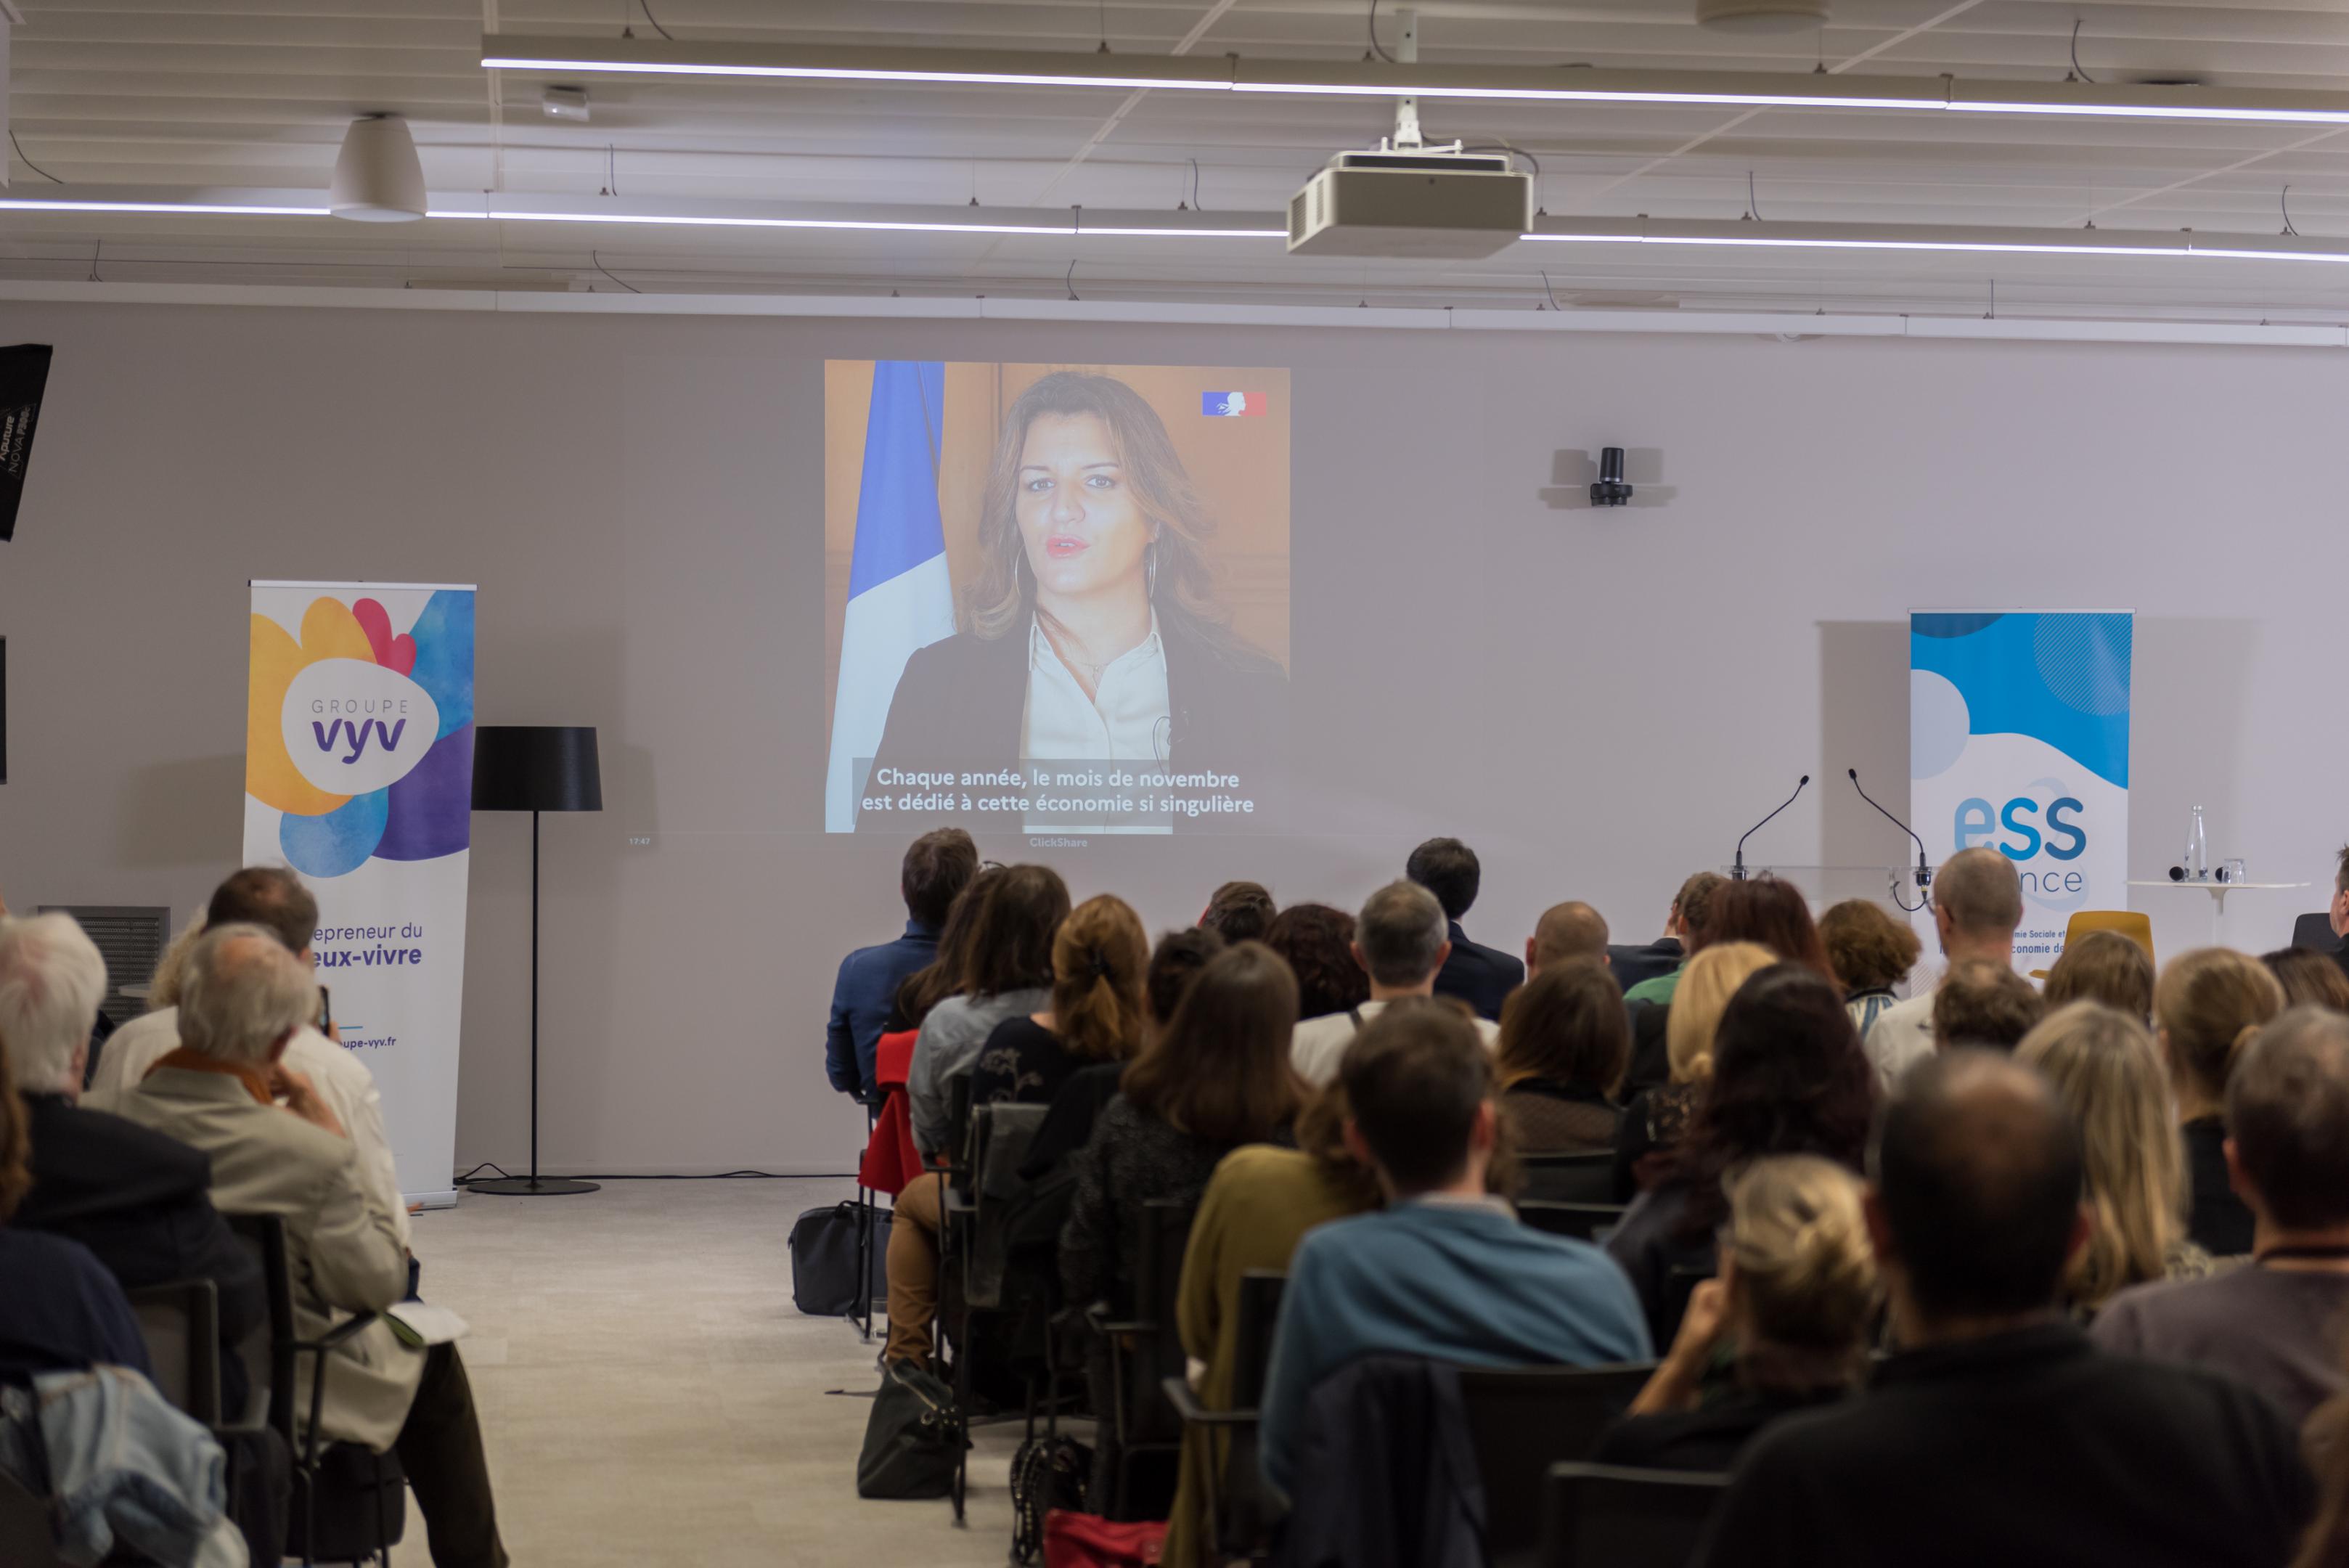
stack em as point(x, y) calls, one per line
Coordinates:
point(1599, 702)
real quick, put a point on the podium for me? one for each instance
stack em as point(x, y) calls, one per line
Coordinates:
point(1894, 886)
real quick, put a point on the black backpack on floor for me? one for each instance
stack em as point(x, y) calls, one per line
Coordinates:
point(914, 1438)
point(823, 1258)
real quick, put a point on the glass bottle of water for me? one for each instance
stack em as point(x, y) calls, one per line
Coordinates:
point(2198, 850)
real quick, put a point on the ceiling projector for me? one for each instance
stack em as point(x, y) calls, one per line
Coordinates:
point(1411, 202)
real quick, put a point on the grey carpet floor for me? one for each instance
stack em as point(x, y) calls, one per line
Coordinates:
point(650, 1396)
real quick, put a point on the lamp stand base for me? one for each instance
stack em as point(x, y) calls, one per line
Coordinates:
point(531, 1187)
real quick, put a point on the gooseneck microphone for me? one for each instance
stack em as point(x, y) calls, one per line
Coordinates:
point(1924, 867)
point(1737, 870)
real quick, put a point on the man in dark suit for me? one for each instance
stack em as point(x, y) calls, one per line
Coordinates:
point(2339, 913)
point(1482, 977)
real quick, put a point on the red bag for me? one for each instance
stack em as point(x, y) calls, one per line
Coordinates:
point(1088, 1540)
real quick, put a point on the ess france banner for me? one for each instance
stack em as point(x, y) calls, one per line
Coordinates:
point(358, 773)
point(2019, 740)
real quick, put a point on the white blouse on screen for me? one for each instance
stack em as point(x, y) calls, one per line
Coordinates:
point(1125, 720)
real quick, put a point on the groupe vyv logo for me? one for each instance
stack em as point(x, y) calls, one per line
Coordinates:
point(353, 727)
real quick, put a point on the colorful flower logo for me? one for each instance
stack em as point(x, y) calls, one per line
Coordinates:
point(390, 714)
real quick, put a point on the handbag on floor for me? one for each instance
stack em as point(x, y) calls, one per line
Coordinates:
point(1088, 1541)
point(912, 1439)
point(1049, 1475)
point(823, 1258)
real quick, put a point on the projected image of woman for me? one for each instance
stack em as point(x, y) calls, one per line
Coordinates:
point(1093, 630)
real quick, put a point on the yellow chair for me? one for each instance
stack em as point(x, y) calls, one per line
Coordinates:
point(2136, 927)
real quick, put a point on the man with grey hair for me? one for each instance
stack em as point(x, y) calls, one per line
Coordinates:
point(1401, 940)
point(243, 998)
point(2278, 1325)
point(1977, 905)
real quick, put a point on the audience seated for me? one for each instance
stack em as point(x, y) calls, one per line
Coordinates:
point(1774, 914)
point(244, 1000)
point(2277, 1324)
point(1240, 911)
point(2108, 1074)
point(1399, 942)
point(1099, 959)
point(1318, 942)
point(1998, 1435)
point(1650, 1000)
point(1445, 1272)
point(2309, 979)
point(2109, 967)
point(1219, 1077)
point(1657, 1119)
point(1566, 933)
point(2207, 1006)
point(275, 900)
point(1977, 905)
point(2339, 909)
point(1482, 977)
point(1870, 954)
point(138, 1200)
point(938, 867)
point(1787, 1078)
point(1793, 1303)
point(1566, 1038)
point(1006, 972)
point(1985, 1004)
point(1259, 1203)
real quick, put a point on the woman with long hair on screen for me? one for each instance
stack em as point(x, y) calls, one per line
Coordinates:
point(1091, 630)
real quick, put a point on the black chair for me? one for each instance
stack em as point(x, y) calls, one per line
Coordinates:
point(1582, 1221)
point(1569, 1178)
point(1605, 1516)
point(2316, 932)
point(349, 1502)
point(27, 1540)
point(181, 1324)
point(1237, 1511)
point(1524, 1419)
point(973, 1236)
point(1149, 1432)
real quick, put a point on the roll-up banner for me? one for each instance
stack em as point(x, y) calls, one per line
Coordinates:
point(2019, 740)
point(358, 774)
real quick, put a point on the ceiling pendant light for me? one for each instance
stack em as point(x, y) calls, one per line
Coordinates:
point(377, 179)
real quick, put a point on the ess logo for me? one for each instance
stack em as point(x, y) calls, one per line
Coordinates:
point(2063, 838)
point(353, 728)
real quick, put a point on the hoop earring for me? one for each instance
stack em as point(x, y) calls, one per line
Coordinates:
point(1150, 572)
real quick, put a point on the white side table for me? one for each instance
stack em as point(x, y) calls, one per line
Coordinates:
point(2219, 891)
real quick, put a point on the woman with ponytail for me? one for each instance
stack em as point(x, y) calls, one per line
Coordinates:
point(2206, 1007)
point(1099, 961)
point(1795, 1301)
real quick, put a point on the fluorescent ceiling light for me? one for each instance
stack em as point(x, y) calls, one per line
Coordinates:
point(207, 209)
point(1377, 79)
point(1928, 239)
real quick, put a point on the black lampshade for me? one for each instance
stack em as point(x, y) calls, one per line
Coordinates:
point(536, 767)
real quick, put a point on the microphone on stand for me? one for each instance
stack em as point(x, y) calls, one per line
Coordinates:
point(1737, 871)
point(1924, 868)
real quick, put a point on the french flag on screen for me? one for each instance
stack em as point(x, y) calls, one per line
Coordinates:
point(899, 597)
point(1231, 405)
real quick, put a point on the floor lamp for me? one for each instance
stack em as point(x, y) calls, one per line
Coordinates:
point(535, 768)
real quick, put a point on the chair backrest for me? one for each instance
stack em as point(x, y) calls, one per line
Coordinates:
point(1258, 1311)
point(1604, 1516)
point(2316, 932)
point(26, 1538)
point(999, 1137)
point(1524, 1419)
point(179, 1321)
point(959, 1131)
point(1582, 1221)
point(267, 1351)
point(1157, 1285)
point(2136, 927)
point(1569, 1178)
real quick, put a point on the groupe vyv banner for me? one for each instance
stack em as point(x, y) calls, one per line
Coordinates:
point(358, 774)
point(2019, 740)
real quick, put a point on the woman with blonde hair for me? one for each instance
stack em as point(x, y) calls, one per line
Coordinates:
point(2207, 1006)
point(1794, 1300)
point(1656, 1119)
point(1100, 960)
point(2104, 1064)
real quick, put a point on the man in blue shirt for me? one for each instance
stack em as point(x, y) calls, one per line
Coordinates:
point(938, 867)
point(1445, 1272)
